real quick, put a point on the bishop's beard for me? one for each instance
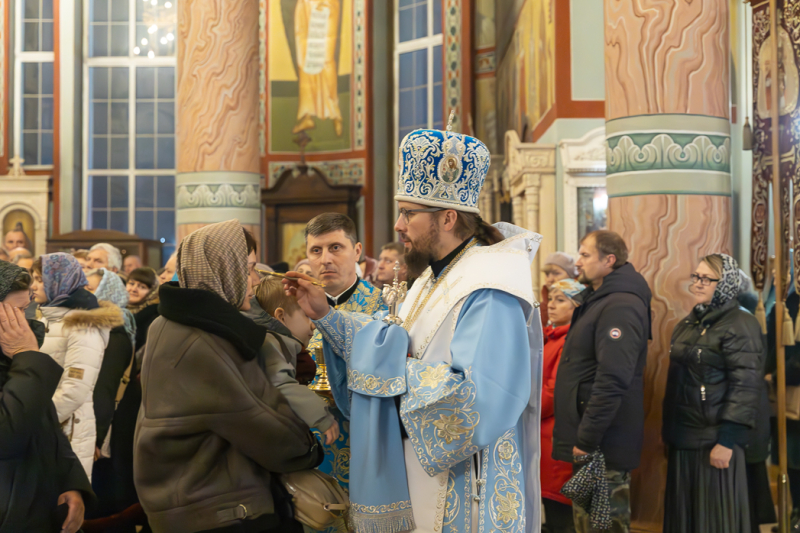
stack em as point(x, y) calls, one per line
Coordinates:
point(421, 253)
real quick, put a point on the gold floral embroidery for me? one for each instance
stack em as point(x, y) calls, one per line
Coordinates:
point(374, 385)
point(396, 506)
point(507, 507)
point(431, 377)
point(506, 451)
point(450, 428)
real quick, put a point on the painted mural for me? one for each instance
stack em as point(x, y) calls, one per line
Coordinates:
point(310, 75)
point(526, 73)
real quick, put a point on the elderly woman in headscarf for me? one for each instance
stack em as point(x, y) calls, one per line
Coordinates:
point(206, 401)
point(710, 405)
point(78, 329)
point(38, 470)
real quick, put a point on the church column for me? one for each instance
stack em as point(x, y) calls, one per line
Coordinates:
point(218, 105)
point(669, 184)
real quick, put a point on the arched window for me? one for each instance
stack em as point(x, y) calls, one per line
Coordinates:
point(129, 88)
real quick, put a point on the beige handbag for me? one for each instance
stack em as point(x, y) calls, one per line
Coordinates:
point(317, 498)
point(792, 401)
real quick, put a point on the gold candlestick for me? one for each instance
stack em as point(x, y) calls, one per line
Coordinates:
point(321, 385)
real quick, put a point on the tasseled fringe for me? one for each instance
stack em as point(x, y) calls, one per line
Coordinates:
point(761, 314)
point(788, 328)
point(389, 523)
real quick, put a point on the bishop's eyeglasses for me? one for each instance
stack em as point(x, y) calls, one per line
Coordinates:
point(406, 212)
point(704, 280)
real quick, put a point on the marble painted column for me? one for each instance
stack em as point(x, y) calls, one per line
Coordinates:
point(218, 152)
point(669, 185)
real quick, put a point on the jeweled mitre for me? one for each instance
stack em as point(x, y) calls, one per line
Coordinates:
point(442, 169)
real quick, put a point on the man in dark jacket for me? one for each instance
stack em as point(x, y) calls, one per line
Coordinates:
point(599, 386)
point(43, 486)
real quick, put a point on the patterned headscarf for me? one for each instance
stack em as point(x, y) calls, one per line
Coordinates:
point(214, 258)
point(729, 282)
point(111, 289)
point(570, 287)
point(62, 275)
point(8, 273)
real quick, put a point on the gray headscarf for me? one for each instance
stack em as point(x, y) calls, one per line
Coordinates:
point(8, 274)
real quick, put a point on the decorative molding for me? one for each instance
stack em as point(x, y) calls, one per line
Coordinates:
point(30, 194)
point(218, 196)
point(524, 158)
point(359, 74)
point(338, 173)
point(665, 151)
point(586, 155)
point(485, 62)
point(453, 61)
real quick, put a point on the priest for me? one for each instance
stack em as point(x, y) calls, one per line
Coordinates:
point(444, 398)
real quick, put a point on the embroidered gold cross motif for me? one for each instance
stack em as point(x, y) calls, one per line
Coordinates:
point(444, 292)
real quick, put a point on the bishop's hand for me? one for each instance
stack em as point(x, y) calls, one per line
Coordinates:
point(311, 298)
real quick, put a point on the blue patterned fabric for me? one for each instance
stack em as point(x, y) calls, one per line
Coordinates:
point(451, 412)
point(366, 299)
point(62, 275)
point(442, 169)
point(112, 289)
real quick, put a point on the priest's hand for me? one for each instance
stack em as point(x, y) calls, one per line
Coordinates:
point(310, 297)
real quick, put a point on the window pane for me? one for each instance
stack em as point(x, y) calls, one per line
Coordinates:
point(119, 221)
point(406, 71)
point(119, 82)
point(165, 197)
point(30, 114)
point(31, 9)
point(420, 67)
point(47, 114)
point(98, 10)
point(98, 152)
point(118, 188)
point(437, 64)
point(421, 21)
point(166, 82)
point(145, 152)
point(47, 149)
point(98, 81)
point(145, 193)
point(99, 118)
point(406, 23)
point(30, 76)
point(145, 82)
point(47, 9)
point(47, 78)
point(119, 118)
point(145, 117)
point(98, 41)
point(166, 152)
point(99, 219)
point(30, 148)
point(119, 40)
point(406, 103)
point(47, 36)
point(421, 107)
point(165, 225)
point(119, 10)
point(98, 185)
point(145, 224)
point(119, 153)
point(166, 118)
point(437, 17)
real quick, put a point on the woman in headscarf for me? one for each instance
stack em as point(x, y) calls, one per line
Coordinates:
point(710, 405)
point(205, 400)
point(77, 335)
point(38, 470)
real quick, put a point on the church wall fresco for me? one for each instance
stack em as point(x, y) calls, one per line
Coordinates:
point(526, 71)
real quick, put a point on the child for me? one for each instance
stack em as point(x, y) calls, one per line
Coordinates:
point(278, 357)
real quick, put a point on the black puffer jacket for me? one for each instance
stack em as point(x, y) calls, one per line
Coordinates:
point(714, 376)
point(599, 392)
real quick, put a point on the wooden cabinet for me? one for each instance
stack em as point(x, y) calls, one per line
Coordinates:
point(149, 251)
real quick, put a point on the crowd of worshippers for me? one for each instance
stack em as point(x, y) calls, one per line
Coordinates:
point(74, 329)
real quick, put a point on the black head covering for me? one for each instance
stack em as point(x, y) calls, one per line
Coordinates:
point(8, 274)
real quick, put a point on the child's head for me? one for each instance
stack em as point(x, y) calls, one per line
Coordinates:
point(272, 299)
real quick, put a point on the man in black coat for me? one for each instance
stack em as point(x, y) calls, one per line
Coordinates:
point(599, 385)
point(43, 486)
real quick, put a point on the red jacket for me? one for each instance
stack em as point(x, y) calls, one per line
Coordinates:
point(553, 473)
